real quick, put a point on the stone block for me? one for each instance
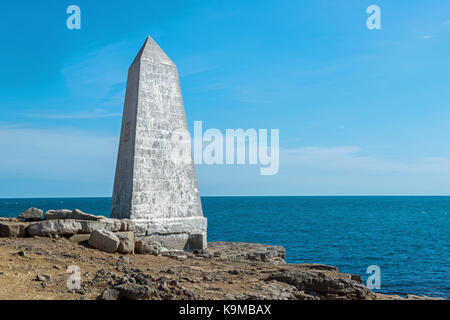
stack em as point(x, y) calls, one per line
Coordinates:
point(53, 227)
point(127, 242)
point(11, 229)
point(104, 240)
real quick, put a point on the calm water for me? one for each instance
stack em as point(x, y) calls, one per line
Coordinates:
point(407, 237)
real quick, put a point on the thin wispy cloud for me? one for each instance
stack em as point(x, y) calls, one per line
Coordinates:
point(96, 114)
point(343, 159)
point(63, 153)
point(100, 75)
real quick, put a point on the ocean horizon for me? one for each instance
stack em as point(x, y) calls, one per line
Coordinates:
point(406, 236)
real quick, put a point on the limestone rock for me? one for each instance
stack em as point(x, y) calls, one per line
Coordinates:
point(148, 247)
point(248, 251)
point(328, 287)
point(32, 214)
point(110, 294)
point(78, 238)
point(13, 229)
point(67, 214)
point(52, 227)
point(104, 240)
point(67, 227)
point(127, 240)
point(130, 291)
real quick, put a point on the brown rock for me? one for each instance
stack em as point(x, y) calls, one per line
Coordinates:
point(14, 229)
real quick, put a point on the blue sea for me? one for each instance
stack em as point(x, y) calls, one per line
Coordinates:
point(407, 237)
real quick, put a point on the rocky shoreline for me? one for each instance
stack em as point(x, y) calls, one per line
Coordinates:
point(47, 266)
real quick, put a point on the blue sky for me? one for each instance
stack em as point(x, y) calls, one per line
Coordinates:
point(360, 112)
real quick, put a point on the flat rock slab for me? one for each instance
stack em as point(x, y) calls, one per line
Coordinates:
point(13, 229)
point(68, 227)
point(67, 214)
point(104, 240)
point(54, 227)
point(32, 214)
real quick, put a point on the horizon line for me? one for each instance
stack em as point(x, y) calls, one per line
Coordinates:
point(243, 196)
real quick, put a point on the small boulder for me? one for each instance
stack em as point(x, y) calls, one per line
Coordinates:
point(104, 240)
point(13, 229)
point(126, 244)
point(32, 214)
point(43, 277)
point(110, 294)
point(130, 291)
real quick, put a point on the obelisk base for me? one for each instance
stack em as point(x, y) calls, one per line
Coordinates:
point(174, 233)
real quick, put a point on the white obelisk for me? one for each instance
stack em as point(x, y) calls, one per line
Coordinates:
point(156, 184)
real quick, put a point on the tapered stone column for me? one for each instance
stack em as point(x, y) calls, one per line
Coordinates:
point(155, 184)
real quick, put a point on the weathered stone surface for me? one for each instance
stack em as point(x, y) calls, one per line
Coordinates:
point(13, 229)
point(148, 247)
point(66, 227)
point(177, 241)
point(155, 183)
point(67, 214)
point(134, 291)
point(53, 227)
point(110, 294)
point(249, 251)
point(127, 242)
point(32, 214)
point(328, 287)
point(77, 238)
point(104, 240)
point(7, 219)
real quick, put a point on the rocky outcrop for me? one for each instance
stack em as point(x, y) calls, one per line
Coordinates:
point(104, 240)
point(320, 285)
point(32, 214)
point(34, 268)
point(249, 251)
